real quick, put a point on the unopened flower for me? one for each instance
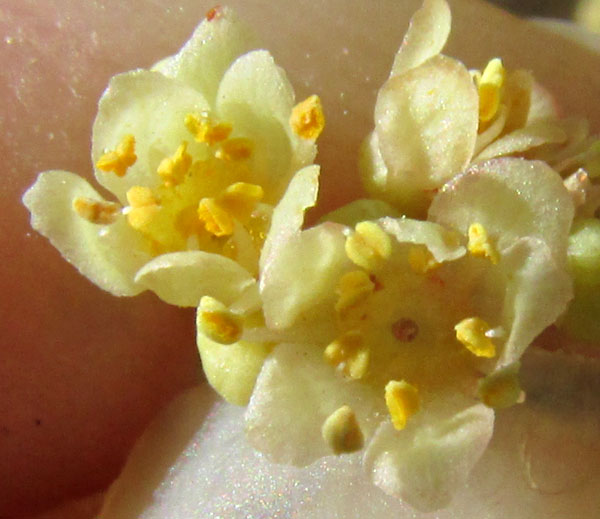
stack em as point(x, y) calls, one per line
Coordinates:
point(196, 151)
point(434, 117)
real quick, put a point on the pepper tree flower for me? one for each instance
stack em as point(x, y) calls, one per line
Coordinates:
point(196, 152)
point(398, 335)
point(434, 117)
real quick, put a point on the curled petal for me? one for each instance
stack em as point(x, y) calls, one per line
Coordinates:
point(426, 463)
point(108, 255)
point(182, 278)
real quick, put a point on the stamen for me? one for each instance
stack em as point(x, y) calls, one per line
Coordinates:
point(203, 130)
point(241, 198)
point(341, 431)
point(354, 288)
point(369, 246)
point(480, 243)
point(217, 322)
point(217, 220)
point(501, 389)
point(96, 211)
point(143, 206)
point(173, 169)
point(402, 400)
point(490, 87)
point(348, 353)
point(421, 260)
point(471, 332)
point(307, 119)
point(119, 160)
point(405, 330)
point(233, 150)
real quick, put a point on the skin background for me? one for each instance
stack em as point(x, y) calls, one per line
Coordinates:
point(82, 372)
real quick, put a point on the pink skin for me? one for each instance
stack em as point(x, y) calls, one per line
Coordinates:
point(82, 372)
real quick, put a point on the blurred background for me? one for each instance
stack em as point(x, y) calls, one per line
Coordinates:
point(584, 12)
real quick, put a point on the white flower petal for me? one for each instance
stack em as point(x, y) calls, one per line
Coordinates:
point(359, 211)
point(182, 278)
point(426, 122)
point(300, 283)
point(537, 293)
point(108, 255)
point(256, 97)
point(543, 105)
point(295, 393)
point(288, 215)
point(523, 139)
point(203, 60)
point(426, 36)
point(426, 463)
point(511, 198)
point(150, 107)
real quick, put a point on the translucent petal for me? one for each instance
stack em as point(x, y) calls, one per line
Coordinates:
point(374, 173)
point(426, 463)
point(523, 139)
point(301, 280)
point(288, 215)
point(182, 278)
point(443, 244)
point(108, 255)
point(232, 369)
point(256, 97)
point(150, 107)
point(359, 211)
point(426, 36)
point(203, 60)
point(426, 122)
point(543, 105)
point(511, 198)
point(295, 393)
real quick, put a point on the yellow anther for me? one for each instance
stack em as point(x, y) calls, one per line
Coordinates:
point(203, 130)
point(421, 260)
point(241, 198)
point(307, 119)
point(368, 246)
point(490, 89)
point(215, 218)
point(480, 243)
point(173, 169)
point(354, 288)
point(471, 332)
point(119, 160)
point(402, 400)
point(96, 211)
point(217, 322)
point(143, 206)
point(349, 354)
point(235, 149)
point(341, 431)
point(501, 389)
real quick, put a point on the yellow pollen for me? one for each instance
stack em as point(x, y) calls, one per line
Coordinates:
point(307, 119)
point(354, 289)
point(341, 431)
point(241, 198)
point(216, 220)
point(348, 353)
point(203, 130)
point(96, 211)
point(368, 246)
point(421, 260)
point(217, 322)
point(233, 150)
point(173, 169)
point(501, 389)
point(143, 206)
point(402, 400)
point(490, 89)
point(471, 332)
point(480, 243)
point(119, 160)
